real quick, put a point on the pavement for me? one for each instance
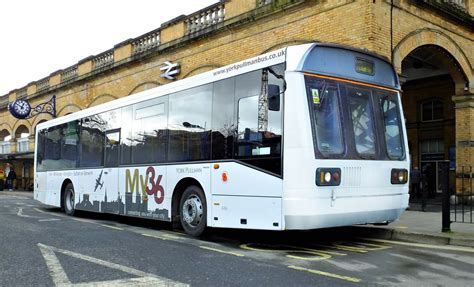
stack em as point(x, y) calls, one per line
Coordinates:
point(413, 226)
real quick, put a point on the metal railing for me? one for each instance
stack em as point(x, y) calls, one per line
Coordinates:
point(5, 147)
point(22, 145)
point(462, 202)
point(205, 18)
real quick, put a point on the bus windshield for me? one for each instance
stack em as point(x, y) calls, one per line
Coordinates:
point(371, 118)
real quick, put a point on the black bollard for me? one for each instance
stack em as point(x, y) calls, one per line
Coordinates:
point(446, 206)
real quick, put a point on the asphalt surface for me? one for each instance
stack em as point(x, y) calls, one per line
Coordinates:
point(40, 246)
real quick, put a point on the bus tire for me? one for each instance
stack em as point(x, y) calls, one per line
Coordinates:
point(193, 211)
point(69, 199)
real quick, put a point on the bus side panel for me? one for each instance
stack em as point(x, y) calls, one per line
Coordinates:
point(244, 197)
point(41, 191)
point(197, 171)
point(145, 192)
point(247, 212)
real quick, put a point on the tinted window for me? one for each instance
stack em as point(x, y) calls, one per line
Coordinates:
point(40, 150)
point(362, 120)
point(92, 141)
point(58, 147)
point(259, 129)
point(150, 135)
point(324, 100)
point(224, 127)
point(392, 125)
point(189, 124)
point(126, 136)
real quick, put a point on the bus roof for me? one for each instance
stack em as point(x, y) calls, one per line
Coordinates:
point(349, 63)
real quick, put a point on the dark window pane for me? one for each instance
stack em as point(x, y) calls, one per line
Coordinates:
point(92, 141)
point(324, 100)
point(224, 127)
point(40, 150)
point(189, 124)
point(112, 146)
point(392, 124)
point(59, 145)
point(126, 136)
point(427, 111)
point(437, 110)
point(258, 140)
point(362, 121)
point(149, 132)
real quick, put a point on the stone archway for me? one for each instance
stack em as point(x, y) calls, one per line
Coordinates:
point(455, 61)
point(71, 108)
point(434, 71)
point(201, 69)
point(101, 99)
point(143, 87)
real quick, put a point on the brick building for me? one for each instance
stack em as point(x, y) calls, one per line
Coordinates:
point(430, 42)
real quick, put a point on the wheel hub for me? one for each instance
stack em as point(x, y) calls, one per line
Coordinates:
point(192, 210)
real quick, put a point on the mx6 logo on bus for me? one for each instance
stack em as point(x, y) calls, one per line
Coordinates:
point(149, 183)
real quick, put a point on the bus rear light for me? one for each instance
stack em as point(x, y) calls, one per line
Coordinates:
point(328, 176)
point(399, 176)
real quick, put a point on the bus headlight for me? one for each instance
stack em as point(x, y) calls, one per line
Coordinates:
point(328, 176)
point(399, 176)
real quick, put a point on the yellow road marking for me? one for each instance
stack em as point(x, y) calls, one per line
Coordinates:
point(342, 247)
point(112, 227)
point(438, 247)
point(323, 273)
point(317, 255)
point(222, 251)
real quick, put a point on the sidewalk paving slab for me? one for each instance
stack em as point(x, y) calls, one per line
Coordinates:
point(422, 227)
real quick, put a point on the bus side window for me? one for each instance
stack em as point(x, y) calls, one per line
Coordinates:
point(92, 141)
point(224, 127)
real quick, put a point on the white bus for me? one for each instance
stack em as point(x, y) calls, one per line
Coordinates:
point(305, 137)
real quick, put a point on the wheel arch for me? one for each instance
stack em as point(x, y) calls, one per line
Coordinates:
point(178, 193)
point(63, 189)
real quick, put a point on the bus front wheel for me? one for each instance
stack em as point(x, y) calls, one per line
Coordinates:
point(69, 198)
point(193, 211)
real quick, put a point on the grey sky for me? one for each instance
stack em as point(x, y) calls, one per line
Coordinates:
point(41, 37)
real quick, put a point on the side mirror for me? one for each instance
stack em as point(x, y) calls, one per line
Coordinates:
point(274, 98)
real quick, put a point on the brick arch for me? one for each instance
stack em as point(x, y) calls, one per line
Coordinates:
point(286, 44)
point(40, 118)
point(19, 124)
point(4, 133)
point(67, 109)
point(143, 87)
point(201, 69)
point(104, 98)
point(7, 127)
point(461, 70)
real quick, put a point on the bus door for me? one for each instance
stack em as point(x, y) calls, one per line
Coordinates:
point(111, 173)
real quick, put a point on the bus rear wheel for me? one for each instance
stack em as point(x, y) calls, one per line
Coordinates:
point(69, 199)
point(193, 211)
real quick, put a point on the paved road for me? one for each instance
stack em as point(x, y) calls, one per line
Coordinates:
point(41, 246)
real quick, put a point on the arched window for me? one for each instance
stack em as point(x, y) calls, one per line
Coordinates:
point(432, 110)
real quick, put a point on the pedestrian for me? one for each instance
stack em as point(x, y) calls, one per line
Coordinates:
point(415, 178)
point(11, 176)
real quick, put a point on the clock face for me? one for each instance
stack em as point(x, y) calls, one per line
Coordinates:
point(22, 108)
